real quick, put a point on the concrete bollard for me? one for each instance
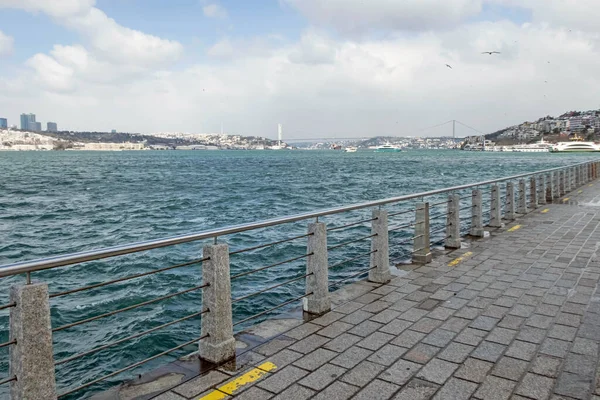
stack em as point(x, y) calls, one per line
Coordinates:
point(495, 208)
point(380, 259)
point(533, 194)
point(522, 207)
point(556, 185)
point(571, 180)
point(422, 251)
point(509, 208)
point(317, 264)
point(476, 215)
point(561, 183)
point(542, 190)
point(549, 188)
point(453, 223)
point(31, 358)
point(577, 177)
point(219, 346)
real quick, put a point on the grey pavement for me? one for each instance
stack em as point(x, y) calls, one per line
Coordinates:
point(517, 318)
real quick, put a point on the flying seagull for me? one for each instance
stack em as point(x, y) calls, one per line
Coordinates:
point(490, 52)
point(449, 66)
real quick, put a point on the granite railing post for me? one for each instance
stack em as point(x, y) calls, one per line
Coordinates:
point(453, 223)
point(509, 208)
point(577, 177)
point(380, 256)
point(522, 208)
point(533, 192)
point(421, 250)
point(476, 215)
point(318, 266)
point(542, 190)
point(495, 208)
point(581, 175)
point(556, 192)
point(217, 323)
point(31, 357)
point(561, 183)
point(549, 188)
point(571, 179)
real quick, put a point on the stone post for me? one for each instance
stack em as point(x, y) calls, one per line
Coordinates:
point(421, 251)
point(571, 179)
point(476, 214)
point(31, 358)
point(542, 190)
point(317, 264)
point(533, 192)
point(495, 209)
point(522, 208)
point(549, 188)
point(453, 222)
point(561, 183)
point(509, 209)
point(556, 192)
point(581, 175)
point(380, 259)
point(217, 323)
point(577, 176)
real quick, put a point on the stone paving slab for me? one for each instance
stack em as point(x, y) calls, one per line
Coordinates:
point(518, 317)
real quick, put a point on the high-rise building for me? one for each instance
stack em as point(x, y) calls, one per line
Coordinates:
point(27, 121)
point(3, 123)
point(51, 127)
point(38, 126)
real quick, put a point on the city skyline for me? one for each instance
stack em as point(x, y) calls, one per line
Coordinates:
point(315, 66)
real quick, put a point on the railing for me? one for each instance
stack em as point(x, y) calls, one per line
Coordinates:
point(401, 228)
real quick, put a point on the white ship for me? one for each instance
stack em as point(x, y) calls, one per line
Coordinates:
point(351, 149)
point(575, 147)
point(387, 148)
point(539, 147)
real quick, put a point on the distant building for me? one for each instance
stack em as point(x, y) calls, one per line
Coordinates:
point(51, 127)
point(576, 124)
point(113, 131)
point(35, 126)
point(3, 123)
point(26, 121)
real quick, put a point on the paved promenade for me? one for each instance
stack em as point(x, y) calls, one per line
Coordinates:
point(514, 316)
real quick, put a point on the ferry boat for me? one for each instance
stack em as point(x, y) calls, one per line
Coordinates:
point(572, 147)
point(351, 149)
point(387, 148)
point(538, 147)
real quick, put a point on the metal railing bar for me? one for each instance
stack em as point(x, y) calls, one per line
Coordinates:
point(335, 228)
point(272, 309)
point(466, 197)
point(439, 215)
point(409, 240)
point(465, 208)
point(335, 283)
point(14, 341)
point(350, 242)
point(401, 227)
point(270, 288)
point(145, 303)
point(417, 250)
point(270, 244)
point(75, 258)
point(97, 285)
point(6, 380)
point(9, 305)
point(270, 266)
point(412, 210)
point(352, 259)
point(137, 335)
point(438, 230)
point(439, 204)
point(137, 364)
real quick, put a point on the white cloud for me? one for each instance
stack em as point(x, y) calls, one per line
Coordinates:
point(359, 16)
point(214, 11)
point(6, 44)
point(57, 8)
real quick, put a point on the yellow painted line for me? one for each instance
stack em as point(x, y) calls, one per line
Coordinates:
point(231, 387)
point(545, 210)
point(565, 199)
point(591, 184)
point(514, 228)
point(457, 261)
point(580, 191)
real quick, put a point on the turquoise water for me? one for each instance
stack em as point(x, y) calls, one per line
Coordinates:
point(60, 202)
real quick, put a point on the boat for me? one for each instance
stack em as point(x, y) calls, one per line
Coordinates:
point(538, 147)
point(387, 148)
point(575, 147)
point(351, 149)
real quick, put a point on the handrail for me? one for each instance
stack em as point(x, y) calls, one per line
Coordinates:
point(91, 255)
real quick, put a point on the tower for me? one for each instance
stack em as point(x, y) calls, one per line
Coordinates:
point(279, 134)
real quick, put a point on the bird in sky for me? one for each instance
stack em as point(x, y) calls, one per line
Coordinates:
point(449, 66)
point(490, 52)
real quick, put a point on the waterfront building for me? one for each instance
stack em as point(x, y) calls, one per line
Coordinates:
point(3, 123)
point(35, 126)
point(51, 127)
point(26, 121)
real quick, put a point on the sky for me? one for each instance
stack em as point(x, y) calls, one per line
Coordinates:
point(322, 68)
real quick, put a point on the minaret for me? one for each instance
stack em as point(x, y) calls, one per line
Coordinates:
point(279, 135)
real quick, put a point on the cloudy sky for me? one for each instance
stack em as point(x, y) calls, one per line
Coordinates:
point(322, 68)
